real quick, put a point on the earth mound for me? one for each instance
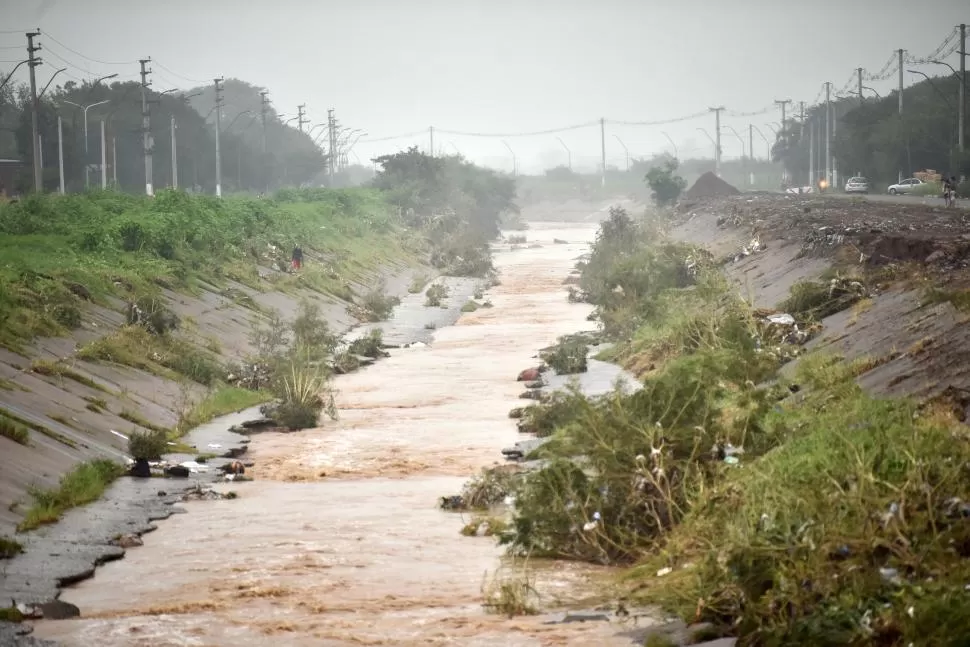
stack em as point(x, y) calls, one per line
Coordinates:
point(710, 186)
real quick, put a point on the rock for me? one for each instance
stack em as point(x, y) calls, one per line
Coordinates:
point(177, 471)
point(935, 256)
point(128, 541)
point(141, 469)
point(532, 394)
point(585, 616)
point(235, 467)
point(559, 241)
point(517, 413)
point(529, 375)
point(59, 610)
point(537, 384)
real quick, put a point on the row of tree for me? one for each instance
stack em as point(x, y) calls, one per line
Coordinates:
point(290, 158)
point(871, 138)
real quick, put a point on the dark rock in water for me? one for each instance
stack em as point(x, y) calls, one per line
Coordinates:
point(529, 375)
point(584, 616)
point(517, 413)
point(559, 241)
point(141, 469)
point(59, 610)
point(452, 503)
point(128, 541)
point(162, 493)
point(258, 424)
point(235, 467)
point(533, 394)
point(538, 384)
point(177, 471)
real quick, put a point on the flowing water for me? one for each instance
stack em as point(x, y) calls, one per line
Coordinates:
point(339, 540)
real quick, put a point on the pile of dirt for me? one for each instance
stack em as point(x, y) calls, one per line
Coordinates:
point(710, 186)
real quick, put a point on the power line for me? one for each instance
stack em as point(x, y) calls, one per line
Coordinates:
point(393, 137)
point(522, 134)
point(181, 76)
point(47, 35)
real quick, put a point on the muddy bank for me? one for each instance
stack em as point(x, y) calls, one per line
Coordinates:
point(769, 243)
point(350, 546)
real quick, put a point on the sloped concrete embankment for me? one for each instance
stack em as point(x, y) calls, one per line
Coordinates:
point(74, 413)
point(771, 243)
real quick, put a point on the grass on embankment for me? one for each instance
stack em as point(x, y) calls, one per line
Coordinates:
point(83, 484)
point(223, 400)
point(60, 251)
point(826, 517)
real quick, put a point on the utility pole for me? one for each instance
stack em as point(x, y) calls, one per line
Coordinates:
point(828, 132)
point(901, 52)
point(60, 152)
point(603, 150)
point(811, 152)
point(331, 134)
point(300, 113)
point(104, 159)
point(431, 135)
point(32, 63)
point(175, 164)
point(858, 71)
point(625, 150)
point(717, 139)
point(264, 110)
point(962, 104)
point(114, 160)
point(751, 140)
point(783, 103)
point(146, 126)
point(218, 85)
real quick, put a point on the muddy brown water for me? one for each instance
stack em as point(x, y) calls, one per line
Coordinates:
point(339, 540)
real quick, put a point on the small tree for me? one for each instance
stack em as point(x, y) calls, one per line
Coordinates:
point(665, 184)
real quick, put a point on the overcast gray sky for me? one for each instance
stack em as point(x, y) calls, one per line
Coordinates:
point(500, 66)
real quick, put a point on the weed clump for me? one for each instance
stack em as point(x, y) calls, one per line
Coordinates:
point(377, 305)
point(435, 295)
point(83, 484)
point(10, 548)
point(510, 594)
point(568, 356)
point(14, 431)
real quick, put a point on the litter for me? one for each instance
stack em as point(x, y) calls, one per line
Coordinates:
point(782, 319)
point(215, 446)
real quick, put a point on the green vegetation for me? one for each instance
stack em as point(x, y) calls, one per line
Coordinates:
point(510, 593)
point(220, 401)
point(136, 418)
point(9, 417)
point(665, 184)
point(485, 527)
point(456, 204)
point(517, 240)
point(147, 445)
point(14, 431)
point(83, 484)
point(435, 295)
point(58, 369)
point(377, 305)
point(10, 614)
point(9, 548)
point(418, 283)
point(821, 517)
point(470, 306)
point(568, 356)
point(60, 251)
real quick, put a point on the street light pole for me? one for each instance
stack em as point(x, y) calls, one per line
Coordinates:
point(87, 161)
point(626, 150)
point(671, 143)
point(569, 153)
point(175, 164)
point(515, 165)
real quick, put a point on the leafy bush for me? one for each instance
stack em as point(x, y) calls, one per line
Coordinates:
point(665, 183)
point(377, 305)
point(436, 294)
point(147, 445)
point(568, 356)
point(370, 345)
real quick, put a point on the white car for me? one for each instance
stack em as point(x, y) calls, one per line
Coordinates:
point(905, 186)
point(857, 185)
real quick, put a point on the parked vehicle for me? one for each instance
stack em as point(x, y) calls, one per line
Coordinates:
point(905, 186)
point(857, 185)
